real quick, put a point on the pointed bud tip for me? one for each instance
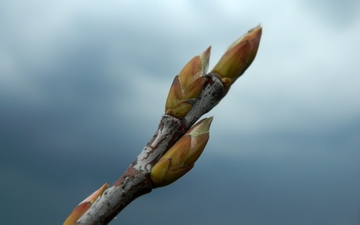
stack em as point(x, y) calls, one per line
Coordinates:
point(257, 29)
point(208, 121)
point(255, 34)
point(205, 55)
point(201, 127)
point(96, 194)
point(204, 58)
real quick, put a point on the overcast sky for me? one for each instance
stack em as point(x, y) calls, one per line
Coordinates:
point(83, 85)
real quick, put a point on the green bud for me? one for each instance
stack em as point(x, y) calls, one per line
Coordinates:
point(238, 57)
point(180, 158)
point(187, 85)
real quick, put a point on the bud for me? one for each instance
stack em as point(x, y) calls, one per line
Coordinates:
point(84, 206)
point(187, 85)
point(180, 158)
point(238, 57)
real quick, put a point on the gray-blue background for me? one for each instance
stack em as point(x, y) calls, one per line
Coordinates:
point(83, 86)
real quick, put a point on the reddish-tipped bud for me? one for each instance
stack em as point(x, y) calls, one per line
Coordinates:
point(187, 85)
point(238, 57)
point(180, 158)
point(84, 206)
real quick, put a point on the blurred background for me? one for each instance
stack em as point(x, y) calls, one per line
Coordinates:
point(83, 86)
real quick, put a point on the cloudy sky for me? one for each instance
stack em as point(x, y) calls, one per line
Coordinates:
point(83, 86)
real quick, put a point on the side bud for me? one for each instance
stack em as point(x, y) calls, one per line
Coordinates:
point(180, 158)
point(238, 57)
point(84, 206)
point(187, 85)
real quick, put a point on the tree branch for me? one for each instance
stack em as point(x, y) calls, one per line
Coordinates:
point(185, 105)
point(136, 180)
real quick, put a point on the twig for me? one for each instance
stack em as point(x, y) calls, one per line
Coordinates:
point(192, 94)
